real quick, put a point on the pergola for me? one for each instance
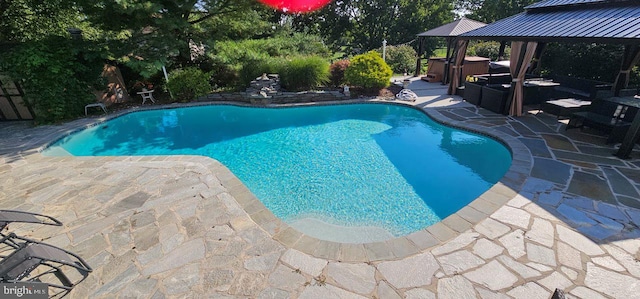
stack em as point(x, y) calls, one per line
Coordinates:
point(566, 21)
point(449, 31)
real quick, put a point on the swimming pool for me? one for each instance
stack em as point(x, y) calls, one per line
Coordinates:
point(385, 170)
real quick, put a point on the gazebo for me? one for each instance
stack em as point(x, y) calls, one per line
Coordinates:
point(449, 31)
point(567, 21)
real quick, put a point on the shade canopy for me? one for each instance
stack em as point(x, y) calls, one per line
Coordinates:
point(579, 21)
point(453, 29)
point(449, 31)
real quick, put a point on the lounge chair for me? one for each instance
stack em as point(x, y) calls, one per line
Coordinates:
point(27, 260)
point(8, 216)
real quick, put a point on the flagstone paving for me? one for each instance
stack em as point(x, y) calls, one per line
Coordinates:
point(185, 227)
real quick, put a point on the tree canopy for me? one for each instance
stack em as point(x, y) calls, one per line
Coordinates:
point(489, 11)
point(363, 24)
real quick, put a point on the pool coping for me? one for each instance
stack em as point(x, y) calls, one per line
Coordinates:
point(396, 248)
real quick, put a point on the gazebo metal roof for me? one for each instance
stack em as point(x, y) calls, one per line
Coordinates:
point(453, 29)
point(605, 21)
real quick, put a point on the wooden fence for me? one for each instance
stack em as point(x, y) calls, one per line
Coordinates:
point(12, 105)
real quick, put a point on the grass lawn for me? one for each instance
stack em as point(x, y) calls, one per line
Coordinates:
point(440, 52)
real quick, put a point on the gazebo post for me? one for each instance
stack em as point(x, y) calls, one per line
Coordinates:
point(503, 44)
point(419, 62)
point(535, 63)
point(447, 58)
point(629, 59)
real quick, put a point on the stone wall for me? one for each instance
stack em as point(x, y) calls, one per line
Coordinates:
point(275, 98)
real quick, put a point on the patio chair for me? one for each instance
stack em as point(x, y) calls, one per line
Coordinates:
point(606, 116)
point(147, 95)
point(9, 216)
point(28, 260)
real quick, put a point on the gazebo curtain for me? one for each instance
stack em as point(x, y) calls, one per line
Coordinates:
point(631, 57)
point(521, 55)
point(459, 51)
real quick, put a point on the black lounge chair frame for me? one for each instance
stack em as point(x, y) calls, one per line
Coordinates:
point(9, 216)
point(26, 255)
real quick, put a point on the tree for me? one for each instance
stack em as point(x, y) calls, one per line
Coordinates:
point(489, 11)
point(361, 25)
point(28, 20)
point(148, 34)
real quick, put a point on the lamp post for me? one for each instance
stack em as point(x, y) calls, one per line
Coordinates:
point(384, 49)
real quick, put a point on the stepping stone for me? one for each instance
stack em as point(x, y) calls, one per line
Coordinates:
point(419, 294)
point(597, 232)
point(455, 287)
point(575, 216)
point(493, 276)
point(305, 263)
point(529, 290)
point(587, 158)
point(591, 186)
point(327, 291)
point(507, 130)
point(551, 170)
point(459, 262)
point(537, 147)
point(535, 124)
point(611, 283)
point(550, 198)
point(487, 249)
point(410, 272)
point(541, 232)
point(514, 243)
point(513, 216)
point(556, 141)
point(521, 129)
point(541, 254)
point(619, 183)
point(632, 174)
point(578, 241)
point(358, 278)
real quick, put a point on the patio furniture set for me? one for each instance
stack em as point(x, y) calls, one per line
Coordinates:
point(51, 269)
point(586, 103)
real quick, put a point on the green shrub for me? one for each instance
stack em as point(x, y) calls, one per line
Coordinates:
point(337, 72)
point(300, 73)
point(368, 71)
point(253, 69)
point(583, 60)
point(238, 62)
point(304, 73)
point(487, 49)
point(188, 84)
point(401, 59)
point(237, 52)
point(57, 74)
point(223, 74)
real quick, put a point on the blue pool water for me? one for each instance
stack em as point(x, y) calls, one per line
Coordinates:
point(359, 165)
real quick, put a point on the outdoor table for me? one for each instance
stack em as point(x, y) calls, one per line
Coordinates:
point(535, 90)
point(634, 131)
point(564, 107)
point(540, 83)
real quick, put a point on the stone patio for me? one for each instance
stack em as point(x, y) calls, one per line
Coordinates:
point(565, 216)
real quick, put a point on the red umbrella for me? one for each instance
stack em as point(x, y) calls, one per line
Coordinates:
point(296, 5)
